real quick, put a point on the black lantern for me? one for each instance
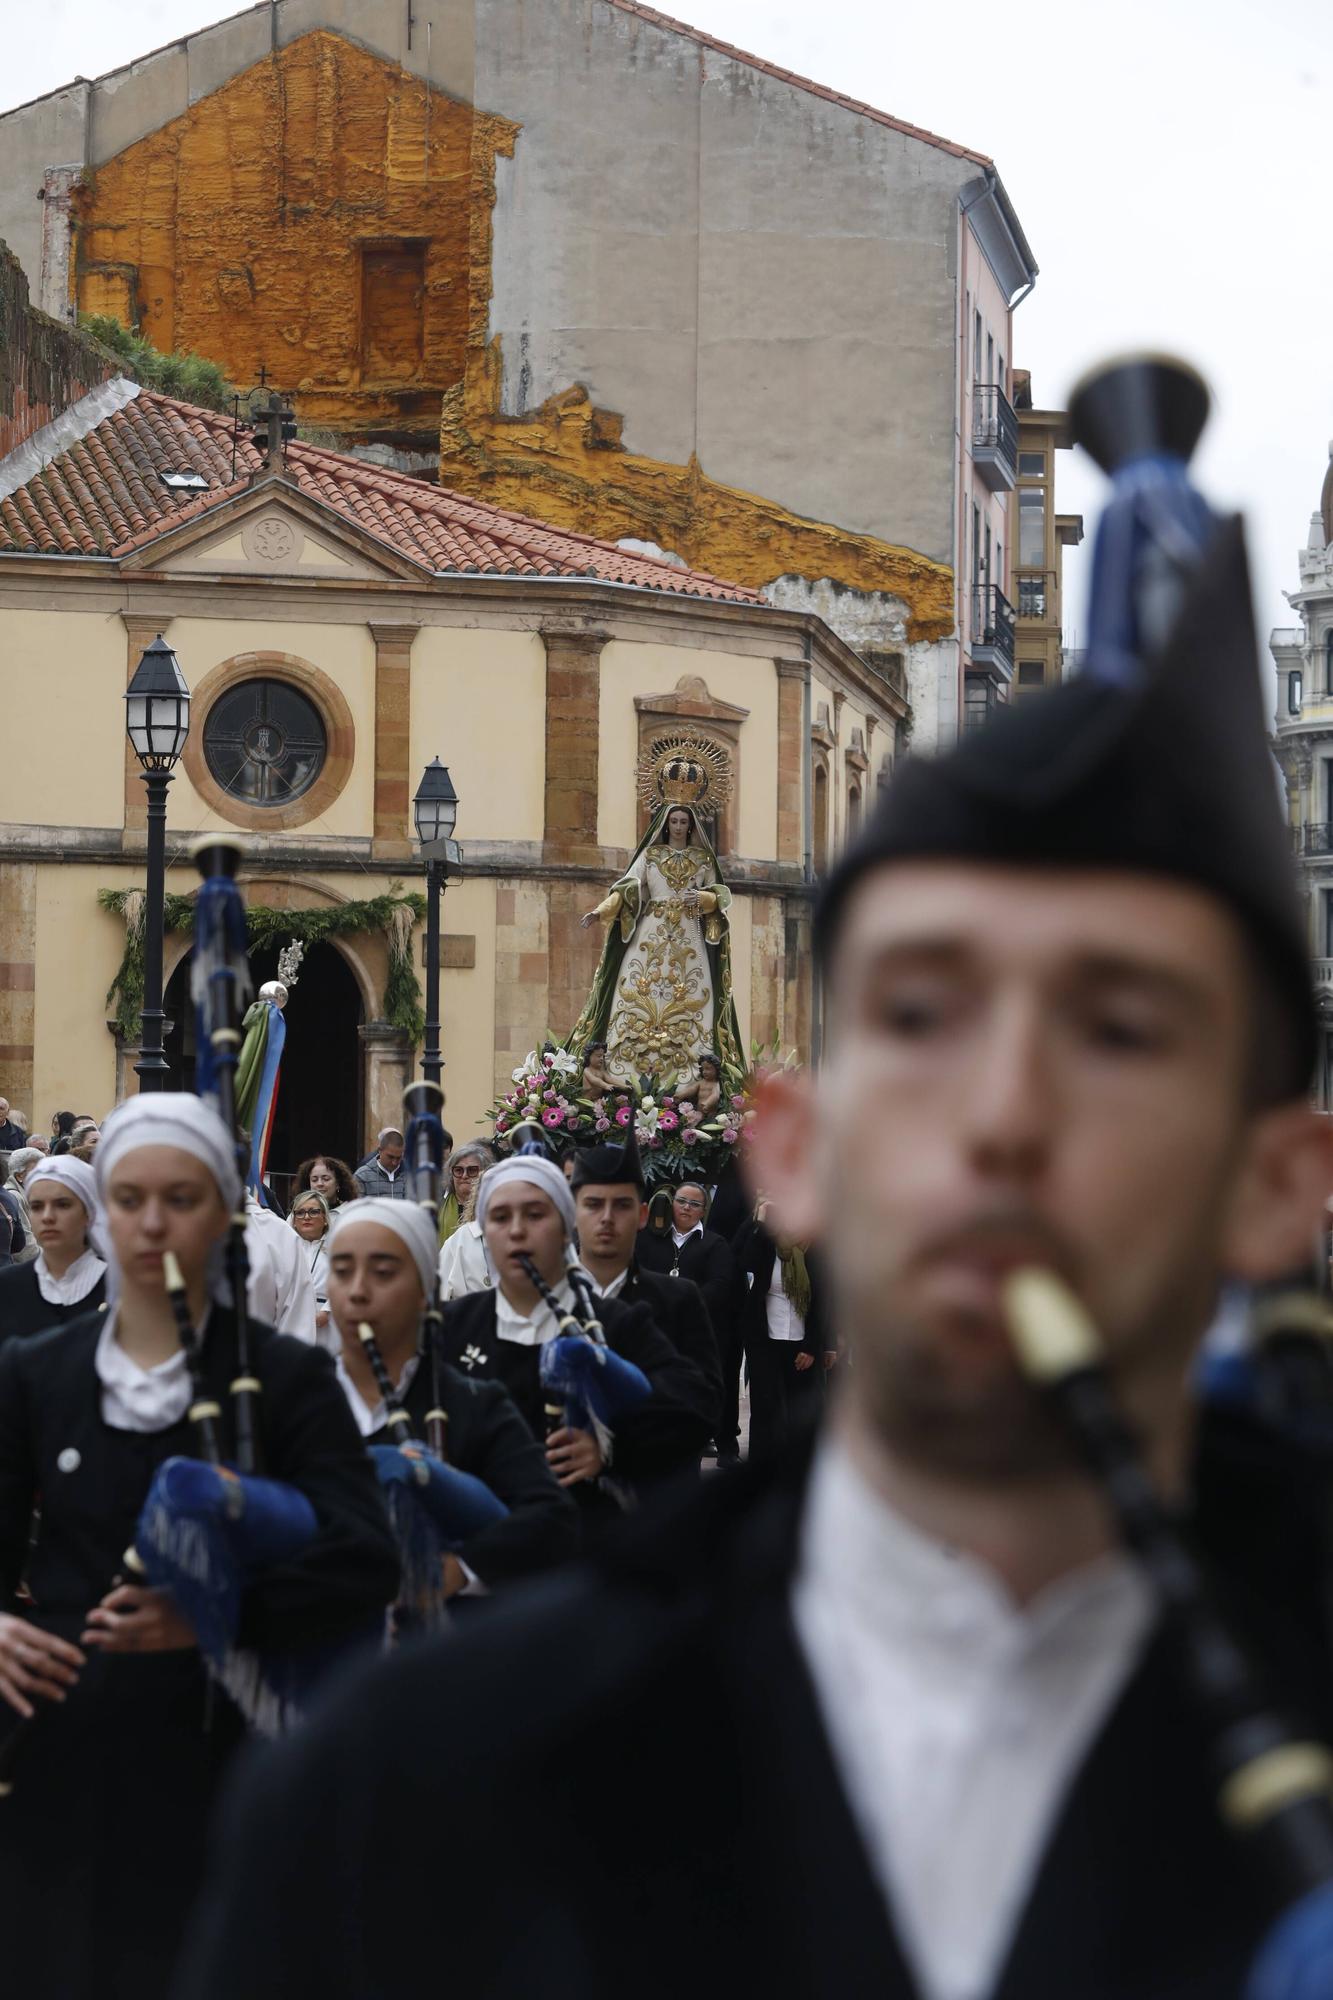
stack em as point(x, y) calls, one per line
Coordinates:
point(157, 708)
point(435, 807)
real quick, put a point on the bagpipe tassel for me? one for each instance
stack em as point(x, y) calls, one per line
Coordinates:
point(220, 945)
point(596, 1384)
point(203, 1534)
point(434, 1509)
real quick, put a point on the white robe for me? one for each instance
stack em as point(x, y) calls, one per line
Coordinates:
point(280, 1291)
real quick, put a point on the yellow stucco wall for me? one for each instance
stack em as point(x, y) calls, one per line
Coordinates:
point(479, 705)
point(346, 653)
point(467, 1008)
point(629, 669)
point(65, 689)
point(79, 948)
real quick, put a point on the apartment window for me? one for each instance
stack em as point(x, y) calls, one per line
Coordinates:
point(1328, 661)
point(999, 563)
point(853, 811)
point(978, 700)
point(1328, 924)
point(1294, 692)
point(976, 543)
point(990, 357)
point(985, 567)
point(1031, 528)
point(999, 371)
point(976, 347)
point(1032, 465)
point(820, 806)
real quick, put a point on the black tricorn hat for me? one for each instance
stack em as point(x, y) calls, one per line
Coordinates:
point(610, 1166)
point(1171, 777)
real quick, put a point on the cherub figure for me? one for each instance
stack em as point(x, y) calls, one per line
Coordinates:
point(596, 1083)
point(705, 1092)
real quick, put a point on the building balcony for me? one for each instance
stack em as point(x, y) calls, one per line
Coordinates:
point(994, 437)
point(1316, 838)
point(992, 630)
point(1322, 969)
point(1038, 599)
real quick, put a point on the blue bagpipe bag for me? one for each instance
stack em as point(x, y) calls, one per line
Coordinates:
point(204, 1533)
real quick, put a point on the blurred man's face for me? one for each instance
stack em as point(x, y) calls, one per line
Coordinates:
point(610, 1217)
point(391, 1155)
point(1024, 1067)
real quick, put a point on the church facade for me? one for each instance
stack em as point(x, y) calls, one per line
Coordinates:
point(339, 625)
point(576, 259)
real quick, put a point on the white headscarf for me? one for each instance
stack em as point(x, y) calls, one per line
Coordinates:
point(539, 1173)
point(403, 1219)
point(82, 1275)
point(170, 1118)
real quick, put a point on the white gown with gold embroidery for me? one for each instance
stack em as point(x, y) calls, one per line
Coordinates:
point(662, 1017)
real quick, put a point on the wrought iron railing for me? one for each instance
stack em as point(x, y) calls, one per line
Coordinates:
point(1035, 591)
point(994, 425)
point(992, 624)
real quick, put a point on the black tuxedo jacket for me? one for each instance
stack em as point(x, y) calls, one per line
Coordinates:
point(755, 1252)
point(642, 1786)
point(680, 1311)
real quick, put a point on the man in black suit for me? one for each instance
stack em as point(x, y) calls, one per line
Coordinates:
point(784, 1331)
point(611, 1207)
point(943, 1731)
point(690, 1249)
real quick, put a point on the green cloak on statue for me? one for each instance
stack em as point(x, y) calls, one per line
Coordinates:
point(663, 997)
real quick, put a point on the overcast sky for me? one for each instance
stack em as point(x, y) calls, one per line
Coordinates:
point(1171, 160)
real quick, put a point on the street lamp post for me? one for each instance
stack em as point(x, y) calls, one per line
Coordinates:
point(157, 720)
point(435, 810)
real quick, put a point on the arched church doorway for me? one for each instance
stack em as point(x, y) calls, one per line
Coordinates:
point(321, 1088)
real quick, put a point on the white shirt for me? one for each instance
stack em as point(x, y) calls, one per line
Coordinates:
point(510, 1323)
point(614, 1289)
point(77, 1282)
point(957, 1719)
point(680, 1240)
point(464, 1266)
point(371, 1419)
point(279, 1290)
point(140, 1399)
point(784, 1322)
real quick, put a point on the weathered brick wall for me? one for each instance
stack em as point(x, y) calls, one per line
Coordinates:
point(44, 366)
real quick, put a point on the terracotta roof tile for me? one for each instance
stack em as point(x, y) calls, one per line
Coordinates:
point(104, 496)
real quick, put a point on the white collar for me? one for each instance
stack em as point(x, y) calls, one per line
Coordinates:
point(902, 1584)
point(510, 1323)
point(680, 1240)
point(77, 1282)
point(616, 1286)
point(368, 1419)
point(140, 1399)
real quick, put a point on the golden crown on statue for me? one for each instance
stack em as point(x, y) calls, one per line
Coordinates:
point(685, 771)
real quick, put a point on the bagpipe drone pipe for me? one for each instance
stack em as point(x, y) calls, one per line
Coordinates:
point(587, 1386)
point(1273, 1788)
point(434, 1507)
point(208, 1528)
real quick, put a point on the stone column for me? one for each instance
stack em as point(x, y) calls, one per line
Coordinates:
point(392, 835)
point(791, 676)
point(139, 633)
point(573, 704)
point(387, 1065)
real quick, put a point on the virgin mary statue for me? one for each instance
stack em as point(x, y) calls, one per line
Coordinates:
point(662, 997)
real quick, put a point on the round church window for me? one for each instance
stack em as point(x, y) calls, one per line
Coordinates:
point(264, 742)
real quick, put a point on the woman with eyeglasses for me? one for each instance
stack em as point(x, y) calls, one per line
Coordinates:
point(463, 1263)
point(310, 1219)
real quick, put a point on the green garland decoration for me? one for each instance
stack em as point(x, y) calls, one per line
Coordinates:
point(393, 915)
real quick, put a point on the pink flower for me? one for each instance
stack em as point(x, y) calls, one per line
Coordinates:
point(728, 1138)
point(737, 1102)
point(689, 1136)
point(501, 1124)
point(553, 1116)
point(667, 1102)
point(602, 1125)
point(624, 1115)
point(550, 1096)
point(668, 1121)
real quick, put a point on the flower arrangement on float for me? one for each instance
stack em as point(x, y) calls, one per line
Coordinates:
point(674, 1139)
